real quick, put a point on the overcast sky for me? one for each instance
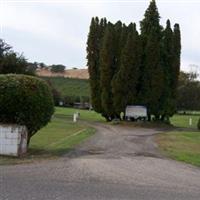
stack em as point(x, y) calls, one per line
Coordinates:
point(55, 32)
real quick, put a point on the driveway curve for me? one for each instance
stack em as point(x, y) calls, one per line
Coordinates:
point(117, 163)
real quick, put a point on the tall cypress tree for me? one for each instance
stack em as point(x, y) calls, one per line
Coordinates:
point(107, 70)
point(167, 102)
point(124, 86)
point(177, 57)
point(94, 43)
point(117, 44)
point(152, 80)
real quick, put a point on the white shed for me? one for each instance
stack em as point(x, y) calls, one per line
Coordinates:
point(136, 112)
point(13, 140)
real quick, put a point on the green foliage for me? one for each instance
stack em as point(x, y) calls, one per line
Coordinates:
point(134, 69)
point(94, 44)
point(12, 62)
point(57, 68)
point(198, 124)
point(25, 100)
point(177, 53)
point(188, 92)
point(128, 74)
point(107, 71)
point(167, 102)
point(153, 76)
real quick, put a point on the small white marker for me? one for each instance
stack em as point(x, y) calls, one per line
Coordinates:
point(190, 121)
point(75, 117)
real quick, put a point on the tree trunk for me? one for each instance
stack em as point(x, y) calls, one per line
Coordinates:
point(149, 117)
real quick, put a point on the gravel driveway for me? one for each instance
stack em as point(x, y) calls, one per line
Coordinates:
point(116, 163)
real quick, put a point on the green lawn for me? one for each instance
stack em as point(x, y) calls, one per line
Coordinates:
point(84, 114)
point(56, 139)
point(182, 146)
point(61, 135)
point(183, 120)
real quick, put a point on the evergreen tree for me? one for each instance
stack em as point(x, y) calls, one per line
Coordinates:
point(177, 57)
point(167, 101)
point(124, 86)
point(93, 50)
point(107, 70)
point(152, 80)
point(117, 45)
point(128, 68)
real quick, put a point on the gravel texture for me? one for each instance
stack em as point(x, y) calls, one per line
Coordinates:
point(117, 163)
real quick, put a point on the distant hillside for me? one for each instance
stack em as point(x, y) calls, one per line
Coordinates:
point(70, 73)
point(70, 86)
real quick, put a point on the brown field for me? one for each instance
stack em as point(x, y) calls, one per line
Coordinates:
point(69, 73)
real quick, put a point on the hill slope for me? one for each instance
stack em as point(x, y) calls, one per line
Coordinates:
point(69, 73)
point(70, 86)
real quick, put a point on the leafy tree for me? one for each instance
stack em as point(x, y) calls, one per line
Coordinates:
point(57, 68)
point(25, 100)
point(12, 62)
point(188, 97)
point(168, 103)
point(198, 124)
point(177, 55)
point(128, 68)
point(107, 72)
point(124, 86)
point(117, 42)
point(94, 44)
point(4, 48)
point(153, 77)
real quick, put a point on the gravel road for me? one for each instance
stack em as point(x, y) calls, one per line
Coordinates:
point(117, 163)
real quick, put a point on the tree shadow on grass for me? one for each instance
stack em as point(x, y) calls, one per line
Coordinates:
point(47, 152)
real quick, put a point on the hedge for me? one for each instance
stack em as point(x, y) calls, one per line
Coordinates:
point(25, 100)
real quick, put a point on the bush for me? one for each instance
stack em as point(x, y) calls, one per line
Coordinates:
point(198, 124)
point(25, 100)
point(57, 68)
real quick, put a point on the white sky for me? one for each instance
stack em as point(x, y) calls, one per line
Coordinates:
point(55, 32)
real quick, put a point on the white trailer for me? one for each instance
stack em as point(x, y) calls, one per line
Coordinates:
point(136, 112)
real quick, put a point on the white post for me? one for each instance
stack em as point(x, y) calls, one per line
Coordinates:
point(75, 117)
point(190, 121)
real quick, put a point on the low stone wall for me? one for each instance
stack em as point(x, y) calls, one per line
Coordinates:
point(13, 140)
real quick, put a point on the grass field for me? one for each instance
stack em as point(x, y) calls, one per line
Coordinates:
point(182, 146)
point(54, 140)
point(61, 135)
point(70, 86)
point(183, 120)
point(84, 114)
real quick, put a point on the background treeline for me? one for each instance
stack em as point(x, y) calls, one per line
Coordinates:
point(127, 67)
point(188, 92)
point(13, 62)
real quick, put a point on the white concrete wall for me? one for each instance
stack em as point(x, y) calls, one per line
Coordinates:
point(13, 140)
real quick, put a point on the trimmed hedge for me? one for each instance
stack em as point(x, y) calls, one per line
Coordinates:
point(25, 100)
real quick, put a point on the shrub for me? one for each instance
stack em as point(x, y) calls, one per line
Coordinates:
point(25, 100)
point(57, 68)
point(198, 124)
